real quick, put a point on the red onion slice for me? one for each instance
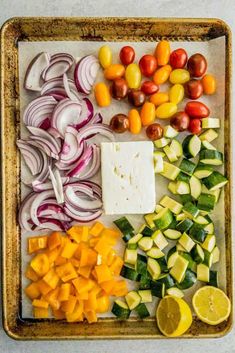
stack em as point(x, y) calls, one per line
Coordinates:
point(71, 149)
point(76, 201)
point(94, 166)
point(33, 74)
point(38, 110)
point(32, 157)
point(81, 163)
point(52, 224)
point(94, 129)
point(71, 89)
point(82, 217)
point(46, 136)
point(24, 211)
point(85, 73)
point(57, 185)
point(53, 84)
point(39, 186)
point(86, 113)
point(36, 203)
point(59, 64)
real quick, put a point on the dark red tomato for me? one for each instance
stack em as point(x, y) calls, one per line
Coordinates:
point(119, 88)
point(178, 58)
point(148, 65)
point(197, 65)
point(197, 110)
point(180, 121)
point(149, 87)
point(127, 55)
point(154, 131)
point(195, 126)
point(193, 89)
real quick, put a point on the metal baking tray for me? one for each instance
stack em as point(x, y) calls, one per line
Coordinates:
point(88, 29)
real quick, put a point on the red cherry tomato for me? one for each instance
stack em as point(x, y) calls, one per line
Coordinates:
point(197, 65)
point(180, 121)
point(148, 65)
point(195, 126)
point(197, 110)
point(193, 89)
point(178, 58)
point(127, 55)
point(149, 87)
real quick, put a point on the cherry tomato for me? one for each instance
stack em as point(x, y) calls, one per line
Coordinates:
point(162, 74)
point(193, 89)
point(209, 84)
point(127, 55)
point(176, 93)
point(119, 123)
point(166, 110)
point(162, 52)
point(102, 94)
point(133, 76)
point(179, 76)
point(134, 121)
point(136, 97)
point(195, 126)
point(159, 98)
point(105, 56)
point(149, 87)
point(154, 131)
point(119, 88)
point(197, 65)
point(178, 58)
point(148, 65)
point(180, 121)
point(197, 110)
point(114, 71)
point(147, 113)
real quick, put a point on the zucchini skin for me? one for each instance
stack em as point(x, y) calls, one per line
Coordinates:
point(206, 202)
point(184, 225)
point(130, 273)
point(142, 311)
point(189, 279)
point(120, 312)
point(198, 233)
point(158, 289)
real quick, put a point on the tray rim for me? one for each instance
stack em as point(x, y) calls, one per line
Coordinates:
point(10, 330)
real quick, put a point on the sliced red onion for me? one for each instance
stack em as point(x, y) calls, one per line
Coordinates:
point(57, 185)
point(52, 224)
point(38, 110)
point(71, 149)
point(81, 163)
point(96, 189)
point(32, 157)
point(53, 211)
point(34, 71)
point(86, 113)
point(24, 211)
point(85, 73)
point(80, 216)
point(94, 129)
point(45, 146)
point(55, 84)
point(59, 95)
point(59, 64)
point(96, 119)
point(94, 166)
point(45, 125)
point(71, 89)
point(36, 203)
point(45, 135)
point(82, 188)
point(81, 203)
point(39, 186)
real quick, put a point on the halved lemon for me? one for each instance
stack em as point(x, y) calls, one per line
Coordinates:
point(211, 305)
point(173, 316)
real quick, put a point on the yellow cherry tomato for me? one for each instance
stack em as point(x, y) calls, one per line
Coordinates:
point(103, 304)
point(166, 110)
point(105, 56)
point(179, 76)
point(134, 121)
point(102, 94)
point(162, 52)
point(133, 76)
point(147, 113)
point(176, 93)
point(208, 84)
point(159, 98)
point(162, 74)
point(114, 71)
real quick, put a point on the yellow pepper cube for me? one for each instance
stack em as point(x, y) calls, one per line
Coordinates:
point(37, 243)
point(75, 233)
point(91, 302)
point(31, 274)
point(90, 316)
point(96, 229)
point(76, 315)
point(40, 303)
point(69, 305)
point(64, 292)
point(40, 313)
point(40, 264)
point(66, 272)
point(103, 273)
point(32, 291)
point(54, 240)
point(69, 250)
point(102, 247)
point(85, 233)
point(43, 287)
point(83, 284)
point(51, 278)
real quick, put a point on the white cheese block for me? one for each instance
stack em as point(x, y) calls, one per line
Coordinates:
point(128, 181)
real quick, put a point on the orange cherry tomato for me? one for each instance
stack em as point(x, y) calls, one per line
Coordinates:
point(162, 74)
point(208, 84)
point(127, 55)
point(147, 113)
point(114, 71)
point(162, 52)
point(149, 87)
point(159, 98)
point(148, 65)
point(134, 121)
point(102, 94)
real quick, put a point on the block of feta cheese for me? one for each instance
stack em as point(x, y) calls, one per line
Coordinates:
point(128, 180)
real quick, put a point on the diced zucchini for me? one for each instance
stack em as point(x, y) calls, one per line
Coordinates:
point(129, 273)
point(191, 146)
point(209, 242)
point(145, 243)
point(197, 232)
point(182, 188)
point(157, 154)
point(180, 217)
point(184, 225)
point(190, 210)
point(141, 264)
point(207, 145)
point(149, 219)
point(134, 240)
point(183, 177)
point(211, 157)
point(216, 254)
point(180, 248)
point(163, 264)
point(175, 292)
point(145, 281)
point(132, 246)
point(153, 268)
point(187, 166)
point(121, 309)
point(124, 225)
point(173, 224)
point(130, 256)
point(145, 230)
point(209, 135)
point(203, 171)
point(145, 295)
point(172, 187)
point(133, 299)
point(170, 153)
point(158, 289)
point(163, 219)
point(177, 148)
point(158, 208)
point(171, 251)
point(186, 242)
point(171, 204)
point(179, 269)
point(155, 253)
point(159, 239)
point(127, 237)
point(198, 254)
point(195, 187)
point(208, 259)
point(142, 311)
point(216, 192)
point(215, 181)
point(161, 142)
point(210, 228)
point(172, 234)
point(210, 123)
point(206, 202)
point(201, 220)
point(171, 259)
point(170, 171)
point(167, 280)
point(170, 132)
point(186, 198)
point(191, 263)
point(203, 273)
point(213, 278)
point(158, 164)
point(188, 280)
